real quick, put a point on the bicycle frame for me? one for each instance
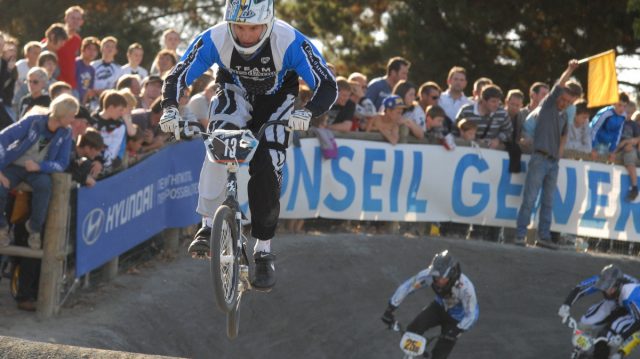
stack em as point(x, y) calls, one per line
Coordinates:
point(231, 200)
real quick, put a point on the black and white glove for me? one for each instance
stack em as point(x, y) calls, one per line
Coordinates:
point(564, 312)
point(299, 119)
point(453, 333)
point(170, 121)
point(387, 317)
point(615, 341)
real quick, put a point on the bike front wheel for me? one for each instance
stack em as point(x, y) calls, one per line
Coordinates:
point(224, 261)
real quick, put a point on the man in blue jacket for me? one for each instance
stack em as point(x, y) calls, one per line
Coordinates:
point(30, 150)
point(606, 132)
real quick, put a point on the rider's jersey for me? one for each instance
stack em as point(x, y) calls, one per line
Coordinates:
point(461, 304)
point(587, 287)
point(629, 299)
point(272, 69)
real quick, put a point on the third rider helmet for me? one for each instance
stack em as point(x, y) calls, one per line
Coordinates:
point(610, 277)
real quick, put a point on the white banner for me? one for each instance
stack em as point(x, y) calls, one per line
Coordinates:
point(410, 182)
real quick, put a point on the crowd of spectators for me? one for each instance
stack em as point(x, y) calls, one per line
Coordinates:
point(67, 105)
point(118, 110)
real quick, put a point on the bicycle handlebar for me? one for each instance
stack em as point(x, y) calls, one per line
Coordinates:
point(573, 324)
point(201, 130)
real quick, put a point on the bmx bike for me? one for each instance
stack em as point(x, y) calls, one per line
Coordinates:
point(228, 256)
point(583, 343)
point(413, 345)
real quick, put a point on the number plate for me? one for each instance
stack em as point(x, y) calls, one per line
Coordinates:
point(581, 341)
point(413, 344)
point(231, 146)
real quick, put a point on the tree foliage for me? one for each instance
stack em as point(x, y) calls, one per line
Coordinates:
point(513, 42)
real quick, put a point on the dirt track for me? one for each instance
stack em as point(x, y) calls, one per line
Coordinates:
point(330, 294)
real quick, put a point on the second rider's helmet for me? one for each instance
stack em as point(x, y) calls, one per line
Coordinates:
point(444, 265)
point(610, 277)
point(249, 12)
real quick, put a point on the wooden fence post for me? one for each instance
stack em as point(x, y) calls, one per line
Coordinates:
point(54, 241)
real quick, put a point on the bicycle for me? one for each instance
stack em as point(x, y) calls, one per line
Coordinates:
point(412, 345)
point(228, 257)
point(583, 341)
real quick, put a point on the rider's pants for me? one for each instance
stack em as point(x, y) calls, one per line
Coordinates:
point(231, 106)
point(430, 317)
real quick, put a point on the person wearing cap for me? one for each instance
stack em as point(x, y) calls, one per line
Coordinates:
point(617, 314)
point(151, 90)
point(259, 61)
point(388, 123)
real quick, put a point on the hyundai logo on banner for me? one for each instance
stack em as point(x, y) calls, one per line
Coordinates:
point(92, 226)
point(125, 209)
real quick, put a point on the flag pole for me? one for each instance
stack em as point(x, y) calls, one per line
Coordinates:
point(586, 59)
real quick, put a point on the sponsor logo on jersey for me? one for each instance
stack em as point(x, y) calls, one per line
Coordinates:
point(265, 60)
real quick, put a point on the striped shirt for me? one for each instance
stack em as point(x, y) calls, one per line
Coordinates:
point(490, 126)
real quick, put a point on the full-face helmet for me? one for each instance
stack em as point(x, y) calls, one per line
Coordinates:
point(249, 12)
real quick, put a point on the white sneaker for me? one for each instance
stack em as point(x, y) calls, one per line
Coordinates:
point(5, 240)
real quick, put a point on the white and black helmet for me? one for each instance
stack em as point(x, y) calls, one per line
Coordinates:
point(610, 277)
point(444, 265)
point(250, 12)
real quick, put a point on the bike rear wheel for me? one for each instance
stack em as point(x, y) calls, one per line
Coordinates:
point(224, 259)
point(233, 320)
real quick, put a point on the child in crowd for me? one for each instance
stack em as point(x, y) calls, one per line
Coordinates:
point(49, 61)
point(135, 53)
point(388, 123)
point(579, 132)
point(126, 117)
point(134, 145)
point(407, 91)
point(58, 88)
point(108, 121)
point(434, 122)
point(85, 73)
point(342, 112)
point(606, 128)
point(467, 130)
point(32, 51)
point(83, 169)
point(628, 146)
point(107, 71)
point(166, 60)
point(170, 41)
point(132, 83)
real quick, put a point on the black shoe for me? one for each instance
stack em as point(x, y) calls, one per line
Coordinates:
point(633, 193)
point(265, 271)
point(199, 248)
point(546, 243)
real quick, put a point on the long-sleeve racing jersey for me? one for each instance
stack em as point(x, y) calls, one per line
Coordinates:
point(630, 300)
point(587, 287)
point(461, 304)
point(272, 69)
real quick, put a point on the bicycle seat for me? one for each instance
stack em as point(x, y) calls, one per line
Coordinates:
point(224, 146)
